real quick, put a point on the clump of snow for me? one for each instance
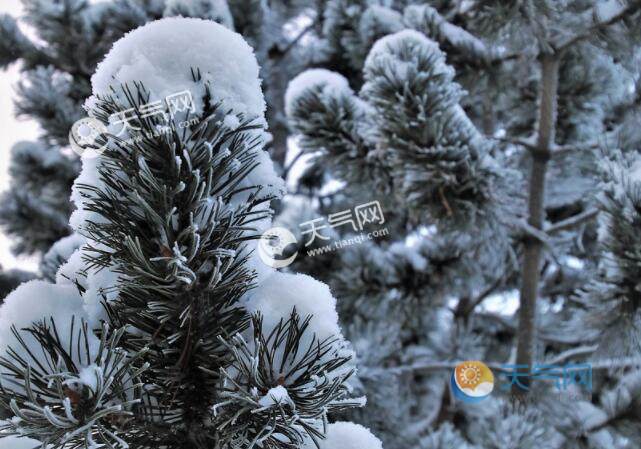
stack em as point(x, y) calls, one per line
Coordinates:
point(330, 82)
point(216, 10)
point(62, 250)
point(88, 177)
point(102, 286)
point(89, 376)
point(231, 121)
point(161, 53)
point(387, 45)
point(66, 246)
point(19, 443)
point(280, 293)
point(276, 396)
point(347, 435)
point(35, 301)
point(378, 20)
point(417, 15)
point(68, 273)
point(607, 10)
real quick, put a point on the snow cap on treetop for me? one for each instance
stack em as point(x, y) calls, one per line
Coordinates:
point(383, 46)
point(329, 81)
point(162, 53)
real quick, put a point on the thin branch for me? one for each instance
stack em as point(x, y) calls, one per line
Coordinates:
point(282, 53)
point(572, 222)
point(559, 150)
point(556, 150)
point(515, 141)
point(571, 353)
point(484, 294)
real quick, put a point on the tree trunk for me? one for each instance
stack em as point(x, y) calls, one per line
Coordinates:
point(536, 208)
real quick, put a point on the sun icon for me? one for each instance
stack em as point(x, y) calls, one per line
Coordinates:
point(472, 381)
point(469, 376)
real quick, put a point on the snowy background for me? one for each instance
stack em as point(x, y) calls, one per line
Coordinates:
point(11, 130)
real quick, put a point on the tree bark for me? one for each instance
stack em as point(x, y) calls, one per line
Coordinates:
point(536, 207)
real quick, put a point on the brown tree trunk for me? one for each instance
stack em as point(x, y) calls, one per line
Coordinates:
point(533, 247)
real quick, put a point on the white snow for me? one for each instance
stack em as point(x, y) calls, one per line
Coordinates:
point(65, 247)
point(347, 435)
point(331, 83)
point(607, 10)
point(89, 375)
point(385, 45)
point(635, 171)
point(280, 293)
point(35, 301)
point(102, 286)
point(276, 396)
point(231, 121)
point(161, 54)
point(19, 443)
point(88, 177)
point(457, 36)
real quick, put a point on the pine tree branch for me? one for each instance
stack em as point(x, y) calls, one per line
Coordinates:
point(600, 25)
point(617, 401)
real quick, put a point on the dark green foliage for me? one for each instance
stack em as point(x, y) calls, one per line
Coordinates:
point(59, 404)
point(313, 373)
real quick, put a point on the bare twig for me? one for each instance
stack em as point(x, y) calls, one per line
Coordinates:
point(282, 53)
point(560, 150)
point(572, 222)
point(571, 353)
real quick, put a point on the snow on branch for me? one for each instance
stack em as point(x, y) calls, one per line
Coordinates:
point(426, 19)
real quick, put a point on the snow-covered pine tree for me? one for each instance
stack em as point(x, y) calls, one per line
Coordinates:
point(70, 38)
point(164, 329)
